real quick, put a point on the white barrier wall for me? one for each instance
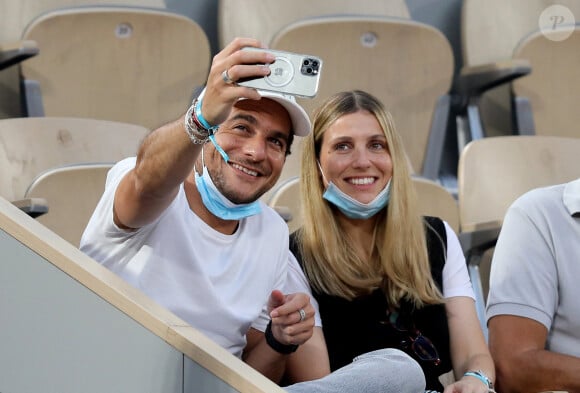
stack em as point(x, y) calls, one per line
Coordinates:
point(68, 325)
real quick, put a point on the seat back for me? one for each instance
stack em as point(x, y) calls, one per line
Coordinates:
point(435, 200)
point(408, 83)
point(14, 17)
point(263, 19)
point(128, 64)
point(503, 24)
point(553, 87)
point(29, 146)
point(494, 171)
point(72, 193)
point(286, 198)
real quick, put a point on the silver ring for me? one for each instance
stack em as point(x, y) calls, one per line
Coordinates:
point(302, 314)
point(227, 78)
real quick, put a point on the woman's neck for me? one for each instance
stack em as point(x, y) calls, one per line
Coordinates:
point(361, 233)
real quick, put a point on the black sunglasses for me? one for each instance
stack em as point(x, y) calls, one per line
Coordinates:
point(419, 344)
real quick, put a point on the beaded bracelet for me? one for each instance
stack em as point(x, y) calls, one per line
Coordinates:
point(199, 130)
point(482, 377)
point(196, 132)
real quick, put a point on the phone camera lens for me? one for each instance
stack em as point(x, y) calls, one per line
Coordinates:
point(306, 62)
point(309, 70)
point(314, 63)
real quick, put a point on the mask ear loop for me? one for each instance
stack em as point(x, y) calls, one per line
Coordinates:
point(218, 147)
point(212, 130)
point(322, 173)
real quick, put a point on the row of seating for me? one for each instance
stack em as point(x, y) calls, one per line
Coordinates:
point(493, 173)
point(74, 76)
point(62, 163)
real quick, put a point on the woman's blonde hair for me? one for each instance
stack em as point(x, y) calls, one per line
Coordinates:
point(399, 263)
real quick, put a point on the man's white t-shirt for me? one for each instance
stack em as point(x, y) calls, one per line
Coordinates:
point(219, 284)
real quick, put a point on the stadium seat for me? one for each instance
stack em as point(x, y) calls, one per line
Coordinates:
point(263, 19)
point(71, 193)
point(435, 200)
point(126, 64)
point(546, 101)
point(492, 173)
point(407, 65)
point(285, 199)
point(485, 101)
point(29, 146)
point(14, 17)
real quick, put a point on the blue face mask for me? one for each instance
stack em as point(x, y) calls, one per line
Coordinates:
point(217, 203)
point(352, 208)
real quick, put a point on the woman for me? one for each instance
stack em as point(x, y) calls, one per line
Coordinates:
point(384, 276)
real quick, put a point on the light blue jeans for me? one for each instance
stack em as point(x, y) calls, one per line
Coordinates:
point(382, 371)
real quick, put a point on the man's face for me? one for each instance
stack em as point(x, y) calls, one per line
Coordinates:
point(255, 137)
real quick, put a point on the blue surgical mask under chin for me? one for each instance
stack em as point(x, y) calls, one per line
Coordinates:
point(217, 203)
point(352, 208)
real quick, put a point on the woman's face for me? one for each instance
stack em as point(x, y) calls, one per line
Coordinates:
point(354, 156)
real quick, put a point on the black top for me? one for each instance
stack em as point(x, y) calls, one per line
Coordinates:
point(352, 328)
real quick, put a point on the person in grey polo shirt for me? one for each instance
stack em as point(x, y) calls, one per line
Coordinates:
point(533, 308)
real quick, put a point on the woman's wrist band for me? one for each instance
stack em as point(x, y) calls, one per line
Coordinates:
point(277, 345)
point(482, 377)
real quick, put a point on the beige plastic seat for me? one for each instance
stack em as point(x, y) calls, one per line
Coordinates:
point(490, 65)
point(359, 53)
point(285, 199)
point(433, 200)
point(552, 90)
point(495, 171)
point(263, 19)
point(15, 15)
point(29, 146)
point(127, 64)
point(72, 193)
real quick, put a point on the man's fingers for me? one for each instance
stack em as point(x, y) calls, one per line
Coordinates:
point(276, 300)
point(292, 304)
point(296, 334)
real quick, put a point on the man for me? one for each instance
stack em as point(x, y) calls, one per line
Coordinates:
point(532, 310)
point(182, 222)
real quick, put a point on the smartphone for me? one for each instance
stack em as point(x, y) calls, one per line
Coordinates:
point(291, 73)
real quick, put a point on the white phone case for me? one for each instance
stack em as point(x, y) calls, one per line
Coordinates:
point(291, 73)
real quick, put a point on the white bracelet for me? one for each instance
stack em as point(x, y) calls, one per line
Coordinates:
point(482, 377)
